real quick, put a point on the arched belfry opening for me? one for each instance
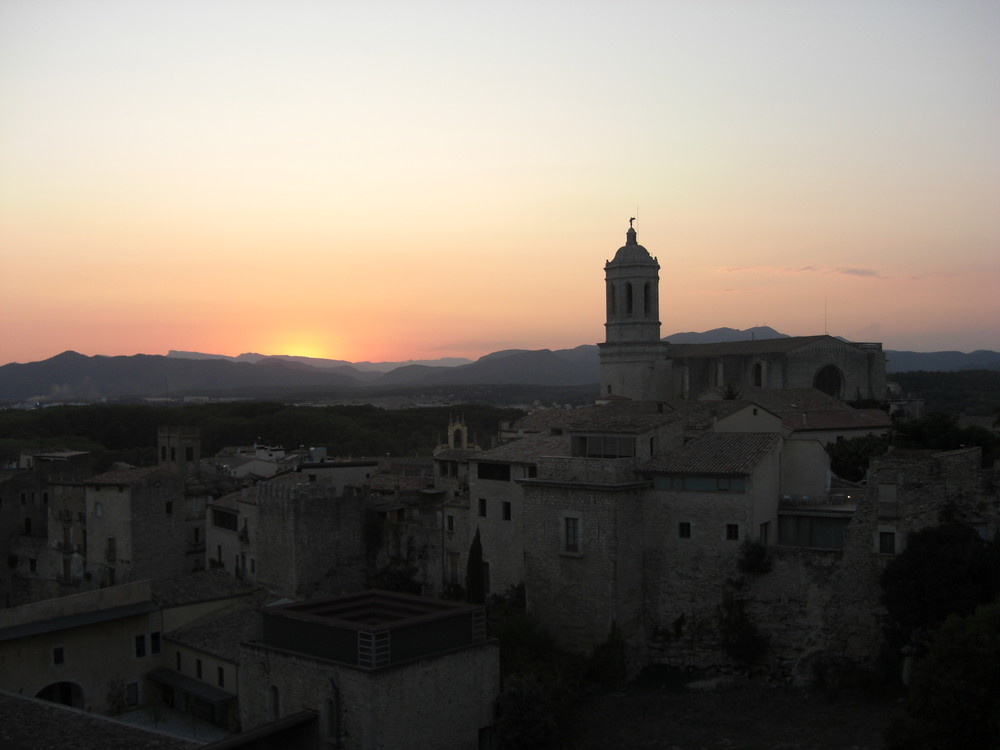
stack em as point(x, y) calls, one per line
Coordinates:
point(458, 434)
point(830, 380)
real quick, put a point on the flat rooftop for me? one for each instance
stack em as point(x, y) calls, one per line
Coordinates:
point(372, 629)
point(373, 609)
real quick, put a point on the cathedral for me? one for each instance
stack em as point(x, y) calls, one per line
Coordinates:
point(636, 364)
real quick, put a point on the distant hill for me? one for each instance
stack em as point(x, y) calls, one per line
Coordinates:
point(74, 377)
point(323, 363)
point(981, 359)
point(720, 335)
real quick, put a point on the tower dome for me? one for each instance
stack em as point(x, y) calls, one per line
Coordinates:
point(632, 251)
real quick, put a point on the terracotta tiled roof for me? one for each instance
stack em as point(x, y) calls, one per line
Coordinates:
point(761, 346)
point(792, 399)
point(393, 482)
point(129, 475)
point(840, 419)
point(199, 587)
point(453, 454)
point(221, 633)
point(32, 724)
point(526, 450)
point(735, 453)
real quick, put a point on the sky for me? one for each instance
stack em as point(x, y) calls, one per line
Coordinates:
point(389, 181)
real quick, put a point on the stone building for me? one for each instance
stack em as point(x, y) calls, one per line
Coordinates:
point(137, 525)
point(81, 650)
point(381, 670)
point(300, 533)
point(451, 484)
point(635, 363)
point(43, 526)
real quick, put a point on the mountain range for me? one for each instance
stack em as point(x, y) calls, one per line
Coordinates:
point(74, 377)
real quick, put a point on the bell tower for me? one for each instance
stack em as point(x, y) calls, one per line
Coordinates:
point(632, 355)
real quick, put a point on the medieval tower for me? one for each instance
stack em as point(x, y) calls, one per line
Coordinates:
point(632, 355)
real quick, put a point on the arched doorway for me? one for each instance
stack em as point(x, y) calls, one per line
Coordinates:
point(67, 693)
point(830, 380)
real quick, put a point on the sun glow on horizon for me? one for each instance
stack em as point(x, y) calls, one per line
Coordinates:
point(333, 182)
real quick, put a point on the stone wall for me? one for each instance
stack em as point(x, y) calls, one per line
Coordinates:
point(815, 607)
point(579, 595)
point(159, 536)
point(310, 542)
point(435, 703)
point(501, 537)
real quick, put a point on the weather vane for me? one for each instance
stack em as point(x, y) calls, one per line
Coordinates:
point(630, 222)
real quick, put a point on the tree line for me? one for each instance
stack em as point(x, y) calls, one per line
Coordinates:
point(128, 432)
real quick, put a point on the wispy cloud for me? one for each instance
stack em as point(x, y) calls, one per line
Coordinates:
point(866, 272)
point(869, 273)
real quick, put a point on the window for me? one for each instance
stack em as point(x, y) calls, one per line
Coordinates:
point(684, 529)
point(140, 645)
point(197, 535)
point(811, 531)
point(887, 542)
point(178, 655)
point(163, 453)
point(224, 519)
point(59, 655)
point(222, 676)
point(99, 510)
point(154, 642)
point(765, 532)
point(506, 510)
point(571, 534)
point(189, 453)
point(253, 565)
point(482, 507)
point(194, 504)
point(700, 483)
point(32, 565)
point(169, 507)
point(449, 523)
point(132, 694)
point(275, 700)
point(173, 453)
point(27, 527)
point(499, 472)
point(732, 532)
point(602, 446)
point(197, 668)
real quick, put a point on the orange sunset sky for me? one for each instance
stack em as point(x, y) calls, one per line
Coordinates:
point(408, 180)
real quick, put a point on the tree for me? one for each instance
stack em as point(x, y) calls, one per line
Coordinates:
point(116, 695)
point(849, 458)
point(945, 570)
point(475, 581)
point(954, 698)
point(523, 717)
